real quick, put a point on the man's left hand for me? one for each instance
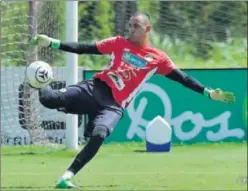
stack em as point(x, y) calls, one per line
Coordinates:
point(219, 95)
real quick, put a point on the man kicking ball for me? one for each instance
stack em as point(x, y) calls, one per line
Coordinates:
point(103, 98)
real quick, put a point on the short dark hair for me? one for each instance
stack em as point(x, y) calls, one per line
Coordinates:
point(142, 14)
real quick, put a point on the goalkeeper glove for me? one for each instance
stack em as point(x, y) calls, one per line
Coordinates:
point(45, 41)
point(219, 95)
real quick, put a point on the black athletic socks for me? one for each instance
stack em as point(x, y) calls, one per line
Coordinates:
point(85, 155)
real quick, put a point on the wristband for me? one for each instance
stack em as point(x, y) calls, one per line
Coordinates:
point(206, 92)
point(55, 44)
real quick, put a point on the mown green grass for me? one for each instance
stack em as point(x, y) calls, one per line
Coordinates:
point(129, 167)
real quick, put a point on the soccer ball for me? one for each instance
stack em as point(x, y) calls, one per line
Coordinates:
point(39, 74)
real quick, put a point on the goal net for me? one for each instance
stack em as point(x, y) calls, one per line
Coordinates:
point(23, 119)
point(194, 34)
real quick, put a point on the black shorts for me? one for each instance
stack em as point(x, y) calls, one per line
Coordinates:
point(93, 98)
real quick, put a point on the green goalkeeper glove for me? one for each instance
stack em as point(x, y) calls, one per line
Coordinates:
point(219, 95)
point(45, 41)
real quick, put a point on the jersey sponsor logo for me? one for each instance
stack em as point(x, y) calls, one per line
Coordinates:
point(148, 58)
point(63, 90)
point(117, 80)
point(134, 60)
point(126, 50)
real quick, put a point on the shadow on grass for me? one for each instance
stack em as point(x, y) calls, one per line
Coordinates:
point(90, 187)
point(140, 151)
point(100, 186)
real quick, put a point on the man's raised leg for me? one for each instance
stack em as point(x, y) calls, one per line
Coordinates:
point(51, 99)
point(71, 99)
point(104, 123)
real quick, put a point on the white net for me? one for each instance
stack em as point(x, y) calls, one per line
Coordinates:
point(194, 34)
point(23, 119)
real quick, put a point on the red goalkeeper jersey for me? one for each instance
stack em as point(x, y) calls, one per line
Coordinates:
point(130, 67)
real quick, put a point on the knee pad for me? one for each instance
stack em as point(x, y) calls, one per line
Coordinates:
point(44, 96)
point(46, 102)
point(48, 98)
point(100, 130)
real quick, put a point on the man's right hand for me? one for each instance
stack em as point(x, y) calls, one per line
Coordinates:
point(44, 41)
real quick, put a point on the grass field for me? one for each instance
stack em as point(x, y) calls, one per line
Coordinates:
point(128, 167)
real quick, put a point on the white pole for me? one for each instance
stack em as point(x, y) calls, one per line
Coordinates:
point(72, 71)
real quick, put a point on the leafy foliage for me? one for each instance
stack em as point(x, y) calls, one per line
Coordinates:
point(194, 34)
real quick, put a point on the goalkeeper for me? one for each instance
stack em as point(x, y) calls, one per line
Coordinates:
point(134, 60)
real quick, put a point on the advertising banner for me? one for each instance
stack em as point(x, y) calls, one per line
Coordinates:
point(194, 118)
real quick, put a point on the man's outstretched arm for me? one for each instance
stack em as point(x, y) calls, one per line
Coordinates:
point(73, 47)
point(79, 48)
point(189, 82)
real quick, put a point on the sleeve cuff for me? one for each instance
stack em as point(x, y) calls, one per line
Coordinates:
point(206, 92)
point(55, 44)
